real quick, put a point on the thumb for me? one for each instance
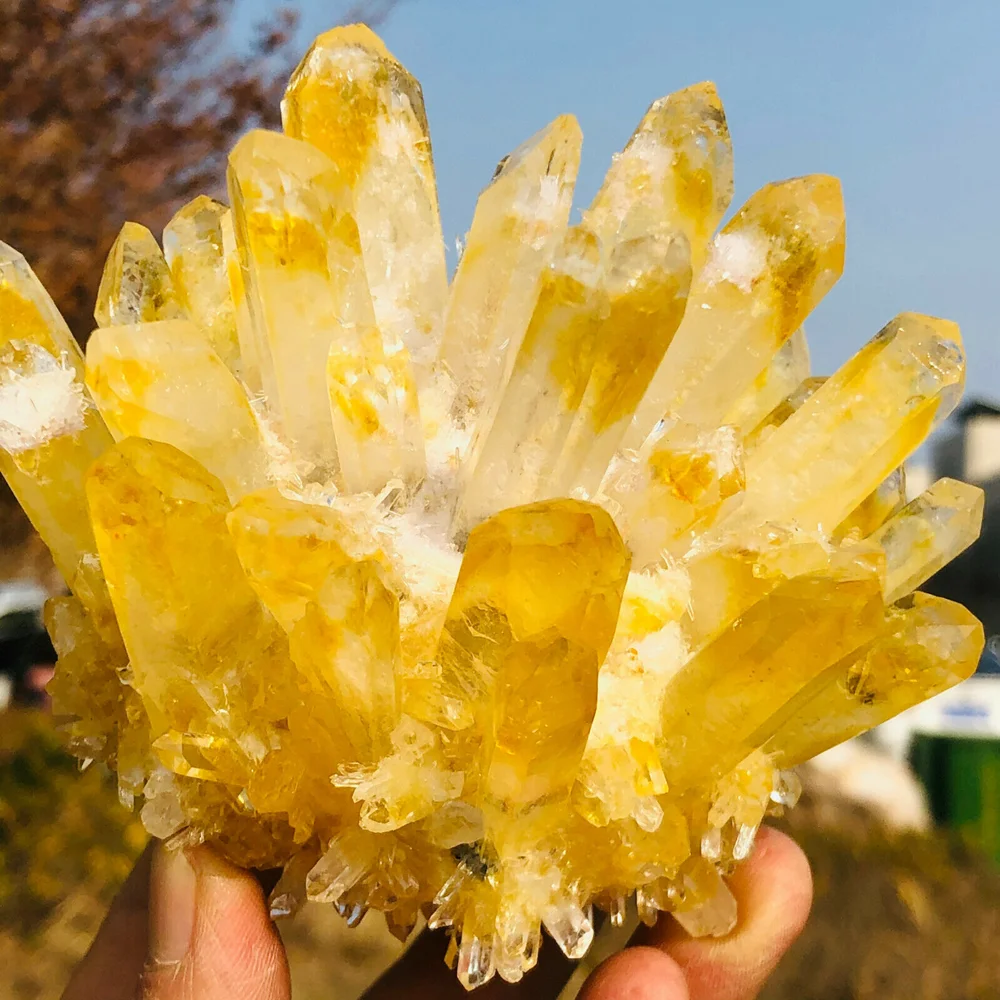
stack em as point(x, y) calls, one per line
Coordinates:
point(636, 973)
point(210, 937)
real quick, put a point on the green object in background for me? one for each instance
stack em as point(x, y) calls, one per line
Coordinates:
point(962, 777)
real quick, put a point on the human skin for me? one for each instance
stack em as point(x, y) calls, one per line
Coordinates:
point(190, 926)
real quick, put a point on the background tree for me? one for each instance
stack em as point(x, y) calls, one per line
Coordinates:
point(115, 110)
point(123, 109)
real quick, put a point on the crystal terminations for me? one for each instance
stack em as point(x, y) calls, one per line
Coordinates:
point(492, 601)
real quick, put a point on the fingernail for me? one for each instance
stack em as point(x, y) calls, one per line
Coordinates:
point(172, 890)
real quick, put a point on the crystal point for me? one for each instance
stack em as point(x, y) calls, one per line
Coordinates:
point(302, 270)
point(763, 659)
point(351, 99)
point(924, 647)
point(50, 431)
point(136, 286)
point(520, 218)
point(928, 533)
point(766, 270)
point(676, 172)
point(858, 426)
point(194, 250)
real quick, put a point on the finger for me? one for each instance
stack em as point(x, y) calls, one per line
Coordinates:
point(639, 974)
point(210, 937)
point(422, 973)
point(773, 891)
point(112, 966)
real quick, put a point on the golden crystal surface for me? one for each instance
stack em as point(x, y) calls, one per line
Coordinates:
point(495, 600)
point(193, 244)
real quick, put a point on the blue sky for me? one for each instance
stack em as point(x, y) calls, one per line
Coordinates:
point(901, 100)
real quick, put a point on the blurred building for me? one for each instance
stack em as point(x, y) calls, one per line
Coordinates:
point(966, 448)
point(26, 653)
point(969, 449)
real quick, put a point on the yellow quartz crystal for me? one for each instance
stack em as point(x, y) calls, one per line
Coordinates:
point(926, 646)
point(350, 98)
point(194, 251)
point(858, 426)
point(251, 365)
point(766, 270)
point(89, 702)
point(304, 279)
point(50, 431)
point(287, 549)
point(621, 777)
point(136, 286)
point(504, 601)
point(788, 369)
point(676, 173)
point(547, 384)
point(674, 487)
point(497, 603)
point(160, 519)
point(762, 660)
point(648, 281)
point(520, 219)
point(582, 359)
point(28, 313)
point(348, 641)
point(783, 410)
point(729, 572)
point(162, 381)
point(521, 656)
point(376, 417)
point(876, 508)
point(928, 533)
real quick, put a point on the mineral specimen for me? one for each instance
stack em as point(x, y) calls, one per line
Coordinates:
point(491, 603)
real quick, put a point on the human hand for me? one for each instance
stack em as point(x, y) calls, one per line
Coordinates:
point(190, 926)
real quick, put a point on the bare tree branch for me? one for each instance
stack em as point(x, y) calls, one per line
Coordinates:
point(123, 109)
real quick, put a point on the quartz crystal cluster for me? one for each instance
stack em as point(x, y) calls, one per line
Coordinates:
point(495, 600)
